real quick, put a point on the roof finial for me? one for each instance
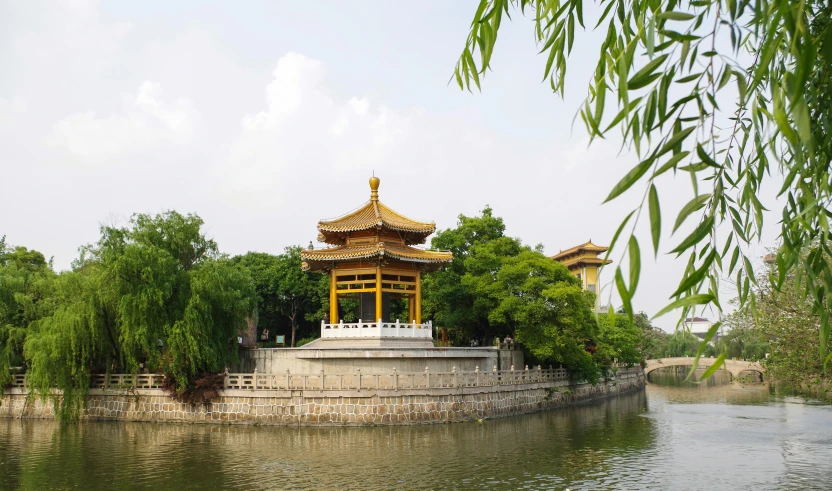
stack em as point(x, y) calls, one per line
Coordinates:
point(374, 182)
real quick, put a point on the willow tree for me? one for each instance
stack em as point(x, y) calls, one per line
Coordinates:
point(775, 55)
point(25, 286)
point(156, 293)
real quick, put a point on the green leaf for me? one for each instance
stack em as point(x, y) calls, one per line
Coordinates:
point(645, 76)
point(671, 163)
point(691, 206)
point(626, 296)
point(676, 16)
point(690, 300)
point(708, 336)
point(706, 158)
point(713, 368)
point(655, 218)
point(635, 263)
point(473, 68)
point(631, 178)
point(676, 139)
point(697, 235)
point(617, 233)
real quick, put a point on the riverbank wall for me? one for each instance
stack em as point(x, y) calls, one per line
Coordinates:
point(332, 406)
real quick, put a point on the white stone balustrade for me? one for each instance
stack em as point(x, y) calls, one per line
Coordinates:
point(377, 330)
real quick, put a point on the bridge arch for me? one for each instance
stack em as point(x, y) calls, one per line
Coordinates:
point(734, 367)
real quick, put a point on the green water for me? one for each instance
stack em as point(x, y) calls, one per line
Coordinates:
point(664, 438)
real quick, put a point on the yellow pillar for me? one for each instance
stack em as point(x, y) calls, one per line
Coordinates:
point(378, 294)
point(418, 306)
point(333, 297)
point(410, 308)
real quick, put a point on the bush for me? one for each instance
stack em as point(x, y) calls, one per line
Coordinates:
point(202, 390)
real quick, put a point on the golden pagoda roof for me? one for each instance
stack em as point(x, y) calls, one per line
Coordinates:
point(374, 215)
point(585, 247)
point(316, 259)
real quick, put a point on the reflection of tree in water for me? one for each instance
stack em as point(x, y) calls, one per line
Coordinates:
point(105, 455)
point(734, 393)
point(548, 448)
point(676, 376)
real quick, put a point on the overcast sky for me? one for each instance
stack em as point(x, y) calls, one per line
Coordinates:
point(263, 117)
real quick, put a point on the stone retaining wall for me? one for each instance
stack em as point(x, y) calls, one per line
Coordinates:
point(330, 407)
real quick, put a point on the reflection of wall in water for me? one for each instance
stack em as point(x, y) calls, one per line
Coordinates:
point(676, 377)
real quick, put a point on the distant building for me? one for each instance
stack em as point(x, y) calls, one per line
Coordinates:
point(699, 326)
point(583, 262)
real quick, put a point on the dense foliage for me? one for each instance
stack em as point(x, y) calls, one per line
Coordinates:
point(285, 291)
point(156, 293)
point(496, 286)
point(25, 292)
point(750, 97)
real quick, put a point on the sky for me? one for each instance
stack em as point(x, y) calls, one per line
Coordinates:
point(264, 117)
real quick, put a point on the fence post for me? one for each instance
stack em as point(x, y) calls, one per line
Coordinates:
point(254, 380)
point(477, 375)
point(539, 374)
point(494, 375)
point(453, 375)
point(359, 378)
point(395, 380)
point(427, 378)
point(322, 380)
point(225, 378)
point(288, 380)
point(512, 375)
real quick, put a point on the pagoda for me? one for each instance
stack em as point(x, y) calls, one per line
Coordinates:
point(583, 262)
point(372, 258)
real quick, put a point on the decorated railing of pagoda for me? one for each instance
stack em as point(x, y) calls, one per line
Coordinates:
point(354, 381)
point(378, 329)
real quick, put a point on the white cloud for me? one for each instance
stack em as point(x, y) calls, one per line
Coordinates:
point(147, 119)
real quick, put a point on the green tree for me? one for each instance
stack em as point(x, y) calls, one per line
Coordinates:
point(653, 342)
point(682, 343)
point(544, 305)
point(156, 292)
point(263, 269)
point(25, 295)
point(450, 302)
point(297, 291)
point(621, 341)
point(751, 95)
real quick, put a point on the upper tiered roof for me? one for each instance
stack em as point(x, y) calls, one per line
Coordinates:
point(375, 216)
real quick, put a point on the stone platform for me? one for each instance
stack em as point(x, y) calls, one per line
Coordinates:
point(345, 357)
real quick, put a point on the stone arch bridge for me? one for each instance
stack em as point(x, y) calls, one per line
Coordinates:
point(734, 367)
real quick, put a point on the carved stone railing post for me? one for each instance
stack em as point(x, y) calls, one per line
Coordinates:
point(477, 375)
point(225, 379)
point(427, 378)
point(254, 380)
point(453, 376)
point(288, 380)
point(322, 380)
point(395, 380)
point(358, 378)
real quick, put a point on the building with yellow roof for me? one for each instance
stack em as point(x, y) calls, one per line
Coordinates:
point(584, 262)
point(372, 258)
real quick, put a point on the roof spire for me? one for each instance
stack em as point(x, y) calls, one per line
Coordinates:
point(374, 182)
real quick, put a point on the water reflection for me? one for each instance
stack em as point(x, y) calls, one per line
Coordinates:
point(725, 437)
point(678, 377)
point(581, 444)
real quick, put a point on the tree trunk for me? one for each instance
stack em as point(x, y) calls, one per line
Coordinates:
point(294, 326)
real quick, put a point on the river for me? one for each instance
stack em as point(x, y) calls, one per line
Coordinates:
point(665, 438)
